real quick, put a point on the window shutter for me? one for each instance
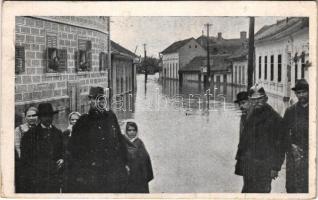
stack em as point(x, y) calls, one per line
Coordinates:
point(82, 44)
point(19, 59)
point(89, 60)
point(88, 45)
point(76, 56)
point(51, 41)
point(101, 60)
point(62, 55)
point(52, 59)
point(106, 61)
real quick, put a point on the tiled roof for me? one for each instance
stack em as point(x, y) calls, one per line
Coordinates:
point(218, 63)
point(281, 29)
point(222, 46)
point(115, 47)
point(176, 46)
point(240, 54)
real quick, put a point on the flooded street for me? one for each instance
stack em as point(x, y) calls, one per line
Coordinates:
point(192, 150)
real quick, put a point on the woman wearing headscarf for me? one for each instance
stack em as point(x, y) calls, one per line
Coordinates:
point(139, 162)
point(67, 134)
point(31, 120)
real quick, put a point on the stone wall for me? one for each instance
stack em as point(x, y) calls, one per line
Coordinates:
point(34, 84)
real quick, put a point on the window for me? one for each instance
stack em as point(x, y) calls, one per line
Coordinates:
point(195, 46)
point(103, 61)
point(239, 75)
point(303, 64)
point(260, 67)
point(243, 74)
point(84, 55)
point(265, 69)
point(189, 46)
point(272, 67)
point(296, 71)
point(19, 59)
point(279, 68)
point(56, 58)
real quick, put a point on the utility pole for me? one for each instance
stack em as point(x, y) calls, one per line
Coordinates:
point(207, 80)
point(250, 66)
point(145, 56)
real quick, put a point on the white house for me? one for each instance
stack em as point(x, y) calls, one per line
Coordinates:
point(281, 55)
point(177, 55)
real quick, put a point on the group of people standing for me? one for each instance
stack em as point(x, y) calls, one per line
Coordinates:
point(266, 139)
point(90, 156)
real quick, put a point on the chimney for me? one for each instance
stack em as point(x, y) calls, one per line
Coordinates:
point(243, 35)
point(219, 36)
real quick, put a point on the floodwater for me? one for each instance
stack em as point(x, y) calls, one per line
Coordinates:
point(192, 143)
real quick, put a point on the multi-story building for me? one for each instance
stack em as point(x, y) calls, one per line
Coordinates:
point(58, 58)
point(282, 53)
point(177, 55)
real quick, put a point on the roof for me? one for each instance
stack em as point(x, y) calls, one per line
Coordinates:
point(222, 46)
point(239, 55)
point(218, 63)
point(281, 29)
point(174, 47)
point(115, 47)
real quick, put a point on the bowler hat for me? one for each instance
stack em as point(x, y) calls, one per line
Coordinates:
point(301, 84)
point(241, 96)
point(46, 109)
point(256, 92)
point(96, 92)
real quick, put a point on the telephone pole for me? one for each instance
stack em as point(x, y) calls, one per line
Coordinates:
point(145, 66)
point(250, 66)
point(207, 79)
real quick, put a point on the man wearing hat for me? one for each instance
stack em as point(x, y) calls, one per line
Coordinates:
point(42, 154)
point(242, 101)
point(260, 148)
point(98, 150)
point(296, 140)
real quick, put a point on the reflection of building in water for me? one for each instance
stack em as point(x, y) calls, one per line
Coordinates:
point(123, 70)
point(48, 66)
point(177, 55)
point(282, 52)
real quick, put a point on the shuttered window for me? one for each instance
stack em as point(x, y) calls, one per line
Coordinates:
point(103, 61)
point(279, 68)
point(19, 59)
point(56, 60)
point(83, 57)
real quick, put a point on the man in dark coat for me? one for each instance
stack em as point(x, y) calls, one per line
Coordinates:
point(42, 154)
point(98, 150)
point(296, 140)
point(260, 149)
point(242, 101)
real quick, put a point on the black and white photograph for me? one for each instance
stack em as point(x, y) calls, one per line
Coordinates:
point(163, 104)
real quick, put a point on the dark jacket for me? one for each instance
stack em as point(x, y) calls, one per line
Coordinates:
point(239, 164)
point(140, 168)
point(40, 150)
point(296, 135)
point(99, 154)
point(261, 142)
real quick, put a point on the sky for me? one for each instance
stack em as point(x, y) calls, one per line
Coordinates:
point(160, 32)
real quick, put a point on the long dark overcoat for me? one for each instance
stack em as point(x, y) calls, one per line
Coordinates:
point(99, 155)
point(261, 148)
point(296, 127)
point(140, 168)
point(40, 150)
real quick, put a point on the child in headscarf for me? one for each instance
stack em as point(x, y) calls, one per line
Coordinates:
point(138, 160)
point(72, 119)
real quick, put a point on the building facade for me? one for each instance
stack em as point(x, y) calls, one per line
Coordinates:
point(282, 55)
point(123, 64)
point(177, 55)
point(239, 68)
point(58, 58)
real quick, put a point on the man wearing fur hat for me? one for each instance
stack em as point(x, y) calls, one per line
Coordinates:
point(260, 148)
point(297, 138)
point(42, 154)
point(98, 149)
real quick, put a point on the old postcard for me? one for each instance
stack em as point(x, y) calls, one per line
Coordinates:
point(159, 100)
